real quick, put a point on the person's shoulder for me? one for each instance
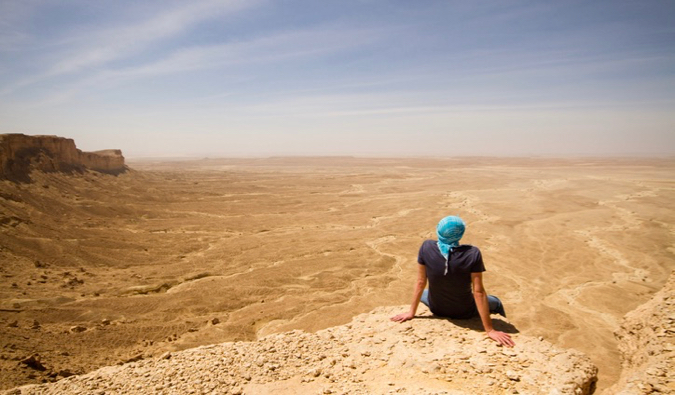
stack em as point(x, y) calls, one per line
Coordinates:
point(429, 241)
point(469, 248)
point(428, 245)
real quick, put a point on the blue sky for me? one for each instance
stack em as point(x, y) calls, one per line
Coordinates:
point(367, 78)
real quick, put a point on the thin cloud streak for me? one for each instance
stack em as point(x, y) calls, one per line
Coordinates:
point(267, 50)
point(105, 46)
point(319, 106)
point(264, 50)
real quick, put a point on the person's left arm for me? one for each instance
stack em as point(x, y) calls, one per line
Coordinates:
point(420, 284)
point(480, 296)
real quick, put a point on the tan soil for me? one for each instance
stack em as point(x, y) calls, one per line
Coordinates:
point(146, 260)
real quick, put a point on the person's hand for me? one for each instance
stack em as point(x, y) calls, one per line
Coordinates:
point(403, 317)
point(502, 338)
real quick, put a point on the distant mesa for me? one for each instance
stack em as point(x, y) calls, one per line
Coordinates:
point(21, 154)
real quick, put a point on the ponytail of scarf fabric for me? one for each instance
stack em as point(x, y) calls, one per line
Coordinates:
point(449, 230)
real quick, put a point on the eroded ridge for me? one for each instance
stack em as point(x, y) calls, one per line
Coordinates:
point(647, 344)
point(370, 355)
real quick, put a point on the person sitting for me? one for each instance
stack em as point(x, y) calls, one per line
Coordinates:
point(455, 275)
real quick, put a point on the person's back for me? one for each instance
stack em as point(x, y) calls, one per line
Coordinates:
point(455, 276)
point(450, 294)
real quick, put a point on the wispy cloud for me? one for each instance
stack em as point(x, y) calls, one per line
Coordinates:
point(399, 104)
point(110, 44)
point(268, 51)
point(264, 50)
point(13, 14)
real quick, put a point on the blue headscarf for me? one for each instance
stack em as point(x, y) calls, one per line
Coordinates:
point(449, 230)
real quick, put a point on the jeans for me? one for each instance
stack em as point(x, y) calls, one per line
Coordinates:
point(496, 306)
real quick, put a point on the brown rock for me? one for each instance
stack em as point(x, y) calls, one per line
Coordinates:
point(20, 154)
point(33, 362)
point(299, 362)
point(646, 343)
point(77, 328)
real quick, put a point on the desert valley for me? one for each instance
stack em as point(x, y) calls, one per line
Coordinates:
point(101, 269)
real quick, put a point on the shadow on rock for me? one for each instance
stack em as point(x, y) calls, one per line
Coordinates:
point(475, 323)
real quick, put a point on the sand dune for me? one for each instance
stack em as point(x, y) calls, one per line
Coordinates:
point(149, 260)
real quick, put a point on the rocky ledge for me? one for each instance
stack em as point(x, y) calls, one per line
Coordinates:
point(20, 154)
point(370, 355)
point(647, 344)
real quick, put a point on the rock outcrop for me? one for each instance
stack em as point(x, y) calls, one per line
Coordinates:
point(370, 355)
point(647, 344)
point(20, 154)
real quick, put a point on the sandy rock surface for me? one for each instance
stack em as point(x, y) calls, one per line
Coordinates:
point(647, 344)
point(370, 355)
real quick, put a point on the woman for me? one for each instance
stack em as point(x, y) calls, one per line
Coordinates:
point(455, 276)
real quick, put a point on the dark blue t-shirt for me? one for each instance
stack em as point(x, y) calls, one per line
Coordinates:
point(450, 295)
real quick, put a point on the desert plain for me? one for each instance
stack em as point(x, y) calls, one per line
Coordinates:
point(99, 269)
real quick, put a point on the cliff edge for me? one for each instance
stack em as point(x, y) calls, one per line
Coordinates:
point(370, 355)
point(20, 154)
point(647, 344)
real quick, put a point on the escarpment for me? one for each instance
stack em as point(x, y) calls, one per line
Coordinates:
point(647, 344)
point(20, 154)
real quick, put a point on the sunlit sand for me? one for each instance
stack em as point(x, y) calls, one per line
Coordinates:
point(177, 254)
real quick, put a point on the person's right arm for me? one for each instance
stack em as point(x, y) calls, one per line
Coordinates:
point(420, 284)
point(480, 296)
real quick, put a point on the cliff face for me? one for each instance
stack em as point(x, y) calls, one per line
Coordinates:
point(647, 344)
point(106, 161)
point(20, 154)
point(370, 355)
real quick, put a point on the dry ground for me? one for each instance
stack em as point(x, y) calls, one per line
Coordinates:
point(177, 254)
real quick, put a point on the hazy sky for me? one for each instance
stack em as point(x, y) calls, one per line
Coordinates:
point(318, 77)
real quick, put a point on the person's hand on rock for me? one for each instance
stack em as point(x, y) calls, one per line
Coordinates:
point(502, 338)
point(403, 317)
